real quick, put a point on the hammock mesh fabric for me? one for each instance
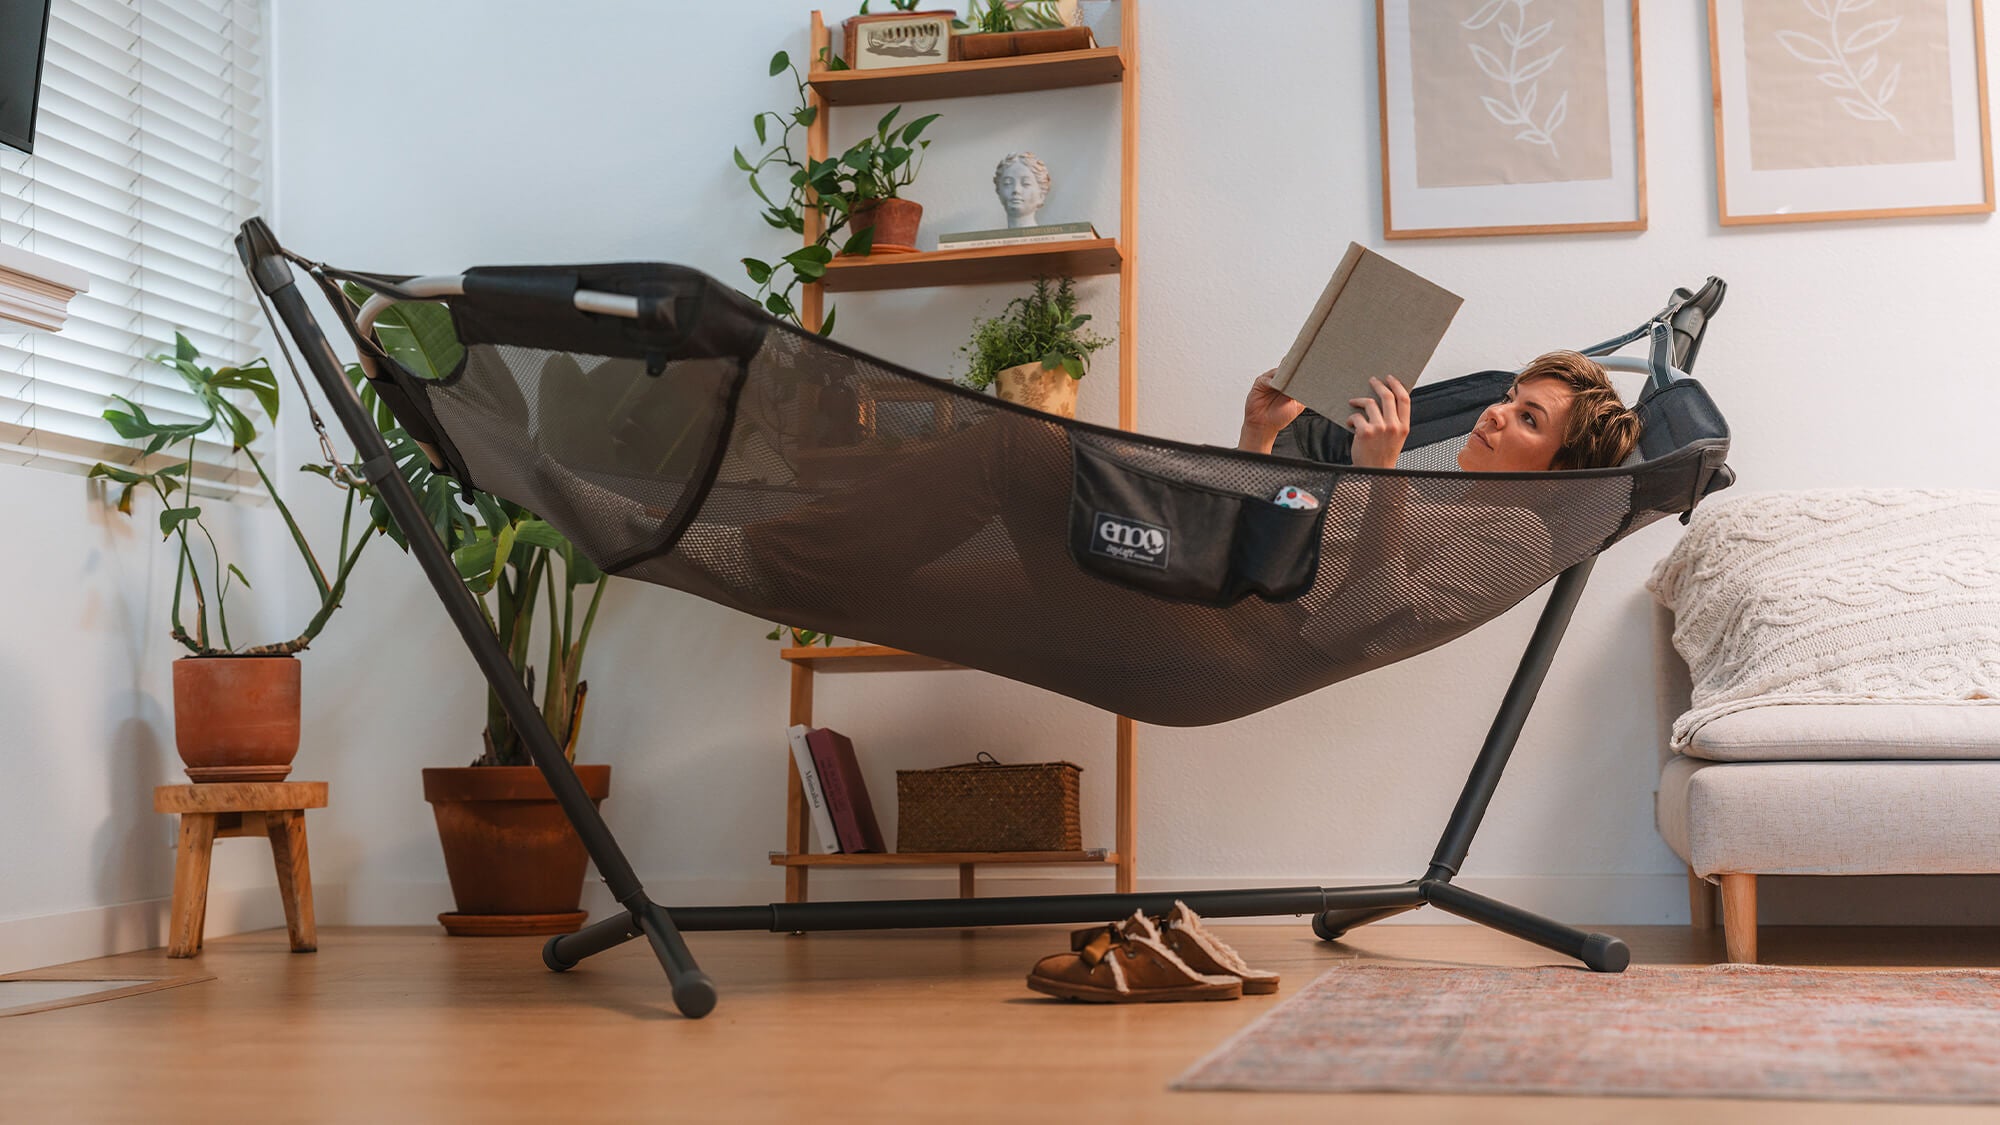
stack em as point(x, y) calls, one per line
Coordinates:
point(713, 449)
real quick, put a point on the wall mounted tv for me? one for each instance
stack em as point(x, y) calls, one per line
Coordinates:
point(24, 39)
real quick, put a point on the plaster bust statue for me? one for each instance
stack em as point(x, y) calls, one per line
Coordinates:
point(1022, 182)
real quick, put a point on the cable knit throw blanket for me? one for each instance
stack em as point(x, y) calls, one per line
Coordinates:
point(1836, 596)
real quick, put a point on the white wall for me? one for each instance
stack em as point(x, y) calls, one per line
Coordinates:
point(432, 137)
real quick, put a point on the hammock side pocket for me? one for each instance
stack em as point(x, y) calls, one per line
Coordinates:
point(1184, 540)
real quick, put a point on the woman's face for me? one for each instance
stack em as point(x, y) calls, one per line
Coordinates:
point(1521, 433)
point(1019, 190)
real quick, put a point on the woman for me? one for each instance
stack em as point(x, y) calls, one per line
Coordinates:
point(1561, 413)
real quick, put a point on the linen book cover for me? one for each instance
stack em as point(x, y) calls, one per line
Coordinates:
point(823, 840)
point(1375, 318)
point(846, 794)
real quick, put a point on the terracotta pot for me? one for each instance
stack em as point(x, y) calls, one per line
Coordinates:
point(1050, 390)
point(516, 865)
point(999, 44)
point(236, 718)
point(895, 222)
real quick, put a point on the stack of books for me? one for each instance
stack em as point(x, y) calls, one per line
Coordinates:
point(36, 291)
point(1017, 236)
point(843, 818)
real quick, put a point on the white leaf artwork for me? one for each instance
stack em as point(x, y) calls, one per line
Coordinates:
point(1869, 100)
point(1519, 75)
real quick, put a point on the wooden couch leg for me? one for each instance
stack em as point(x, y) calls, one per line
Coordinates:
point(1701, 902)
point(1739, 918)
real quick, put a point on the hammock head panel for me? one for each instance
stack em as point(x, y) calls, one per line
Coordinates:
point(724, 453)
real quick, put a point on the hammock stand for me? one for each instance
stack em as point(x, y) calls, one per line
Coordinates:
point(679, 323)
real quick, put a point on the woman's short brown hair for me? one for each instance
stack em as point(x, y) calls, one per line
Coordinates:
point(1599, 431)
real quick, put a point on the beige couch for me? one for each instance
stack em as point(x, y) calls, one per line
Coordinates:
point(1844, 711)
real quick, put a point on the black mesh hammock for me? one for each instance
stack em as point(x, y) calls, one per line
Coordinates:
point(707, 446)
point(678, 435)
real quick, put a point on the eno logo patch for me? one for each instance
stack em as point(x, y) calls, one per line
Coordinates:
point(1129, 540)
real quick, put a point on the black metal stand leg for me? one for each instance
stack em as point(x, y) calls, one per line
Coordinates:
point(562, 952)
point(1602, 952)
point(269, 270)
point(1333, 924)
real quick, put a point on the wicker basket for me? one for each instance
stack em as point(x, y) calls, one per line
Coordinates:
point(984, 806)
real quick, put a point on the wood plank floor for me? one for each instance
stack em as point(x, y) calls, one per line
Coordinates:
point(406, 1025)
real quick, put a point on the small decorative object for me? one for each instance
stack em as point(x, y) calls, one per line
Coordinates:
point(1022, 182)
point(999, 28)
point(893, 39)
point(1843, 109)
point(984, 806)
point(1034, 352)
point(1292, 496)
point(1511, 117)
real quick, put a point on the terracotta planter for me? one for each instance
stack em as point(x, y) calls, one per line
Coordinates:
point(236, 718)
point(1050, 390)
point(515, 863)
point(999, 44)
point(895, 222)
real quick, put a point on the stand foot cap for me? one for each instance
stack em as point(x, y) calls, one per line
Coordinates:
point(694, 994)
point(1605, 954)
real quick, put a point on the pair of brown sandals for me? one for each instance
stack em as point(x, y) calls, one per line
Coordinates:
point(1144, 959)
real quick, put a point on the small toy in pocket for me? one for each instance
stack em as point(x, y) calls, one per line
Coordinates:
point(1292, 496)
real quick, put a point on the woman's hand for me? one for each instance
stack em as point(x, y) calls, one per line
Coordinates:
point(1381, 424)
point(1266, 411)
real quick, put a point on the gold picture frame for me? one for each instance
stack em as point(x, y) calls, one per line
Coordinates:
point(1527, 120)
point(1820, 122)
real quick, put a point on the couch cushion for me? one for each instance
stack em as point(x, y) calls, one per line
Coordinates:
point(1817, 732)
point(1855, 818)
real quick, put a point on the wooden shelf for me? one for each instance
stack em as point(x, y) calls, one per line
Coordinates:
point(937, 859)
point(1083, 258)
point(966, 79)
point(865, 658)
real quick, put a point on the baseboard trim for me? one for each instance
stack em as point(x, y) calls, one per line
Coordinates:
point(80, 935)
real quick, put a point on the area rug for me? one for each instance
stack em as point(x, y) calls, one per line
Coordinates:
point(1726, 1031)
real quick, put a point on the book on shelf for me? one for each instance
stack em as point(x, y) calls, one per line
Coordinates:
point(846, 794)
point(822, 840)
point(1017, 236)
point(1375, 318)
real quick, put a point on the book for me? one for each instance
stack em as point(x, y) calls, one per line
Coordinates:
point(822, 841)
point(846, 794)
point(1375, 318)
point(1017, 236)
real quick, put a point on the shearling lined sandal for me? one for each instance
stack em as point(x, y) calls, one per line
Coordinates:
point(1181, 931)
point(1126, 964)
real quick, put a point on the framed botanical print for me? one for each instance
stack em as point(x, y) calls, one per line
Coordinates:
point(1510, 117)
point(1849, 109)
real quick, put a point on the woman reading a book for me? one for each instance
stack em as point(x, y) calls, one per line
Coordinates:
point(1561, 413)
point(1412, 540)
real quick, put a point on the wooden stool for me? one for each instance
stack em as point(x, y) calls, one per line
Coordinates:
point(220, 809)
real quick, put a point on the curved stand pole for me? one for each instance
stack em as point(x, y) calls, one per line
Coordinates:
point(694, 994)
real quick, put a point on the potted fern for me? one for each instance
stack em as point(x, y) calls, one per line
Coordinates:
point(1035, 351)
point(236, 706)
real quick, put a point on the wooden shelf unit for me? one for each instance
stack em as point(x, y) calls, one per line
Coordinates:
point(809, 661)
point(932, 268)
point(965, 79)
point(1095, 257)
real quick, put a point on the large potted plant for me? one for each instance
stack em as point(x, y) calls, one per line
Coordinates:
point(236, 706)
point(1035, 351)
point(515, 863)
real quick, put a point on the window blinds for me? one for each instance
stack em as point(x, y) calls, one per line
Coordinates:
point(148, 154)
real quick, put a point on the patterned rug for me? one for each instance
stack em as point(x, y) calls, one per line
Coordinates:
point(1727, 1031)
